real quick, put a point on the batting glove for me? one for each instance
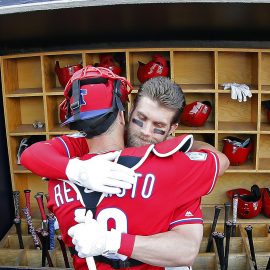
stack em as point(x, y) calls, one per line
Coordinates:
point(238, 91)
point(91, 239)
point(101, 174)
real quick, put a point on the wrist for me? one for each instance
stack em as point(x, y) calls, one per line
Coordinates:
point(127, 244)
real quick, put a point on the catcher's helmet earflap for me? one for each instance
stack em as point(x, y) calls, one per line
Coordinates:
point(93, 98)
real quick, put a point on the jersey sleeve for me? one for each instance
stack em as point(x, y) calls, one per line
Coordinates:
point(189, 213)
point(196, 173)
point(50, 158)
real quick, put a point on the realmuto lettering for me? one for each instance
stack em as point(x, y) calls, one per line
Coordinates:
point(64, 193)
point(145, 190)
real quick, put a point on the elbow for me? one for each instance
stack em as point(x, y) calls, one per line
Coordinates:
point(224, 164)
point(190, 256)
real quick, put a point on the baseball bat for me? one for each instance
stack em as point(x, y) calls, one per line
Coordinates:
point(17, 222)
point(41, 210)
point(16, 195)
point(234, 217)
point(31, 227)
point(27, 199)
point(27, 202)
point(43, 237)
point(51, 220)
point(227, 207)
point(221, 250)
point(42, 197)
point(217, 241)
point(248, 229)
point(213, 227)
point(64, 251)
point(227, 245)
point(43, 254)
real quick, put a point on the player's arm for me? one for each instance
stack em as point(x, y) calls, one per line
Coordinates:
point(46, 159)
point(56, 159)
point(223, 160)
point(178, 247)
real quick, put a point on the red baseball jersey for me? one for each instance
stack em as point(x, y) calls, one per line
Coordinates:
point(55, 155)
point(167, 193)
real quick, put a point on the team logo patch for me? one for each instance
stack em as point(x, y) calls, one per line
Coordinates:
point(196, 155)
point(188, 214)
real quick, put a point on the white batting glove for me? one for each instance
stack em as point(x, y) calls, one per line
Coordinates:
point(238, 91)
point(91, 239)
point(101, 174)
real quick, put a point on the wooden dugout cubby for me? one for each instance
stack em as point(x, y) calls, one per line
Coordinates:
point(31, 91)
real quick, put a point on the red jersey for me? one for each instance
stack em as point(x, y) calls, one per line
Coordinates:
point(167, 193)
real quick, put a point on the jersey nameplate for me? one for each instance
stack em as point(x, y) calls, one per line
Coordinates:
point(196, 155)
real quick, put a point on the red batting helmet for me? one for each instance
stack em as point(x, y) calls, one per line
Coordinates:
point(266, 201)
point(196, 113)
point(107, 61)
point(155, 68)
point(266, 104)
point(93, 97)
point(65, 73)
point(236, 152)
point(249, 202)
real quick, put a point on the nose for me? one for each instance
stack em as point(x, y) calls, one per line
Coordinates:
point(146, 129)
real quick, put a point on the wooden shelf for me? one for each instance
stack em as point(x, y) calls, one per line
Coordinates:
point(208, 127)
point(264, 164)
point(206, 88)
point(28, 92)
point(265, 127)
point(237, 127)
point(31, 91)
point(27, 129)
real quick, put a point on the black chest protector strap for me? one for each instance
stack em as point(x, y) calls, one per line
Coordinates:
point(90, 199)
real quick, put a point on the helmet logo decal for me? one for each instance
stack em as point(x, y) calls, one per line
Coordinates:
point(155, 66)
point(196, 108)
point(83, 92)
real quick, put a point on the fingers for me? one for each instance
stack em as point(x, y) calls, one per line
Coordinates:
point(112, 182)
point(124, 173)
point(71, 231)
point(126, 178)
point(81, 215)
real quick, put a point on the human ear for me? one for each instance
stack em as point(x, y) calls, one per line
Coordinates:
point(173, 128)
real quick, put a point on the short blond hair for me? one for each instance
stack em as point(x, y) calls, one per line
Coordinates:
point(166, 92)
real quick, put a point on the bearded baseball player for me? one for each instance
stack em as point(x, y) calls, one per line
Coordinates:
point(158, 222)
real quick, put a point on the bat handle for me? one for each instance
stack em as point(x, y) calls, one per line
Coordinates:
point(91, 263)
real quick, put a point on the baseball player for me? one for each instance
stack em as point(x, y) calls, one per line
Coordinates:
point(66, 201)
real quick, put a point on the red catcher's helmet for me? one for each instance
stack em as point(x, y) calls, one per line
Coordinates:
point(249, 203)
point(236, 154)
point(266, 104)
point(155, 68)
point(65, 73)
point(107, 61)
point(266, 201)
point(93, 97)
point(196, 113)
